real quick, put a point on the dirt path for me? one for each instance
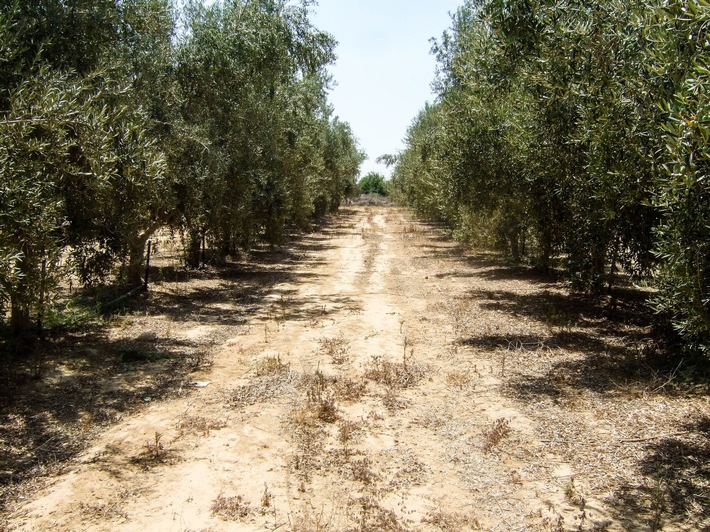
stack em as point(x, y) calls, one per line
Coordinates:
point(346, 402)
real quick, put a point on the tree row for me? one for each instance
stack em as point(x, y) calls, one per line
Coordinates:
point(119, 117)
point(576, 131)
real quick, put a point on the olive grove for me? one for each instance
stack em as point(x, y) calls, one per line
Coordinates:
point(576, 131)
point(119, 117)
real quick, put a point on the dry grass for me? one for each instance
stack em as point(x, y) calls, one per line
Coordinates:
point(320, 399)
point(497, 433)
point(392, 401)
point(311, 519)
point(106, 511)
point(265, 389)
point(403, 374)
point(461, 380)
point(271, 365)
point(335, 348)
point(451, 522)
point(231, 508)
point(348, 390)
point(362, 471)
point(349, 431)
point(307, 420)
point(371, 517)
point(198, 425)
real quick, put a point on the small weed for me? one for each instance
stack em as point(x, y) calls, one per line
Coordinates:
point(348, 431)
point(392, 401)
point(349, 391)
point(371, 517)
point(155, 449)
point(394, 374)
point(499, 431)
point(573, 496)
point(304, 417)
point(155, 453)
point(308, 420)
point(283, 314)
point(557, 318)
point(108, 511)
point(554, 524)
point(320, 399)
point(658, 505)
point(577, 498)
point(78, 312)
point(199, 359)
point(312, 521)
point(451, 522)
point(266, 498)
point(38, 369)
point(271, 366)
point(459, 379)
point(231, 508)
point(199, 425)
point(336, 348)
point(362, 472)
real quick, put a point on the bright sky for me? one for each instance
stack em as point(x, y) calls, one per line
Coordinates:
point(384, 69)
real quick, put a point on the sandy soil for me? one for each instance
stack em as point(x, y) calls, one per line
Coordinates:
point(385, 381)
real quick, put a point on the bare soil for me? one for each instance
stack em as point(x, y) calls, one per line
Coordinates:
point(373, 376)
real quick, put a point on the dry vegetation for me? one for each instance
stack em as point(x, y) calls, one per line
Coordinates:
point(461, 393)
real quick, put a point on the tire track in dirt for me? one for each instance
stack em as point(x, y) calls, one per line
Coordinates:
point(345, 403)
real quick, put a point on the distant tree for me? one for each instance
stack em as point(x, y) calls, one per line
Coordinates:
point(388, 159)
point(373, 183)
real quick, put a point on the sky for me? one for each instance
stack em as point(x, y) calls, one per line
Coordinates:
point(384, 69)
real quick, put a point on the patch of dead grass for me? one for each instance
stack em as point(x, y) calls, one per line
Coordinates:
point(371, 517)
point(497, 433)
point(198, 425)
point(231, 508)
point(451, 522)
point(320, 398)
point(265, 389)
point(106, 511)
point(271, 365)
point(403, 374)
point(336, 349)
point(348, 390)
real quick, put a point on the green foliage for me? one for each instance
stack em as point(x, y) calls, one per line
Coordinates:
point(253, 76)
point(373, 183)
point(565, 129)
point(50, 126)
point(112, 125)
point(681, 191)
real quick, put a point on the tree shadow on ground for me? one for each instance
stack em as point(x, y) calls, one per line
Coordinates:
point(64, 387)
point(613, 349)
point(613, 353)
point(678, 481)
point(71, 387)
point(608, 347)
point(487, 265)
